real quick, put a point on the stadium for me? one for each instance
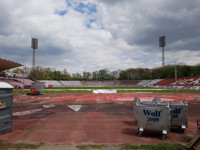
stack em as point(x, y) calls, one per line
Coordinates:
point(97, 112)
point(99, 74)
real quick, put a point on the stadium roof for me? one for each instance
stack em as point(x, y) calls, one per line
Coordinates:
point(6, 64)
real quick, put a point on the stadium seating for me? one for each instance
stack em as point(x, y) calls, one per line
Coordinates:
point(54, 83)
point(25, 81)
point(181, 82)
point(150, 84)
point(129, 83)
point(71, 83)
point(12, 82)
point(144, 82)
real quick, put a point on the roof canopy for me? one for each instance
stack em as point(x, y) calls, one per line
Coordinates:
point(6, 64)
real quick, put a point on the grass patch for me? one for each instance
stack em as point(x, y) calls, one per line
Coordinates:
point(29, 146)
point(161, 146)
point(109, 103)
point(90, 146)
point(6, 145)
point(97, 146)
point(119, 90)
point(67, 91)
point(21, 91)
point(22, 103)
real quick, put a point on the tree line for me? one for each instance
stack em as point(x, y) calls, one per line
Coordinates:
point(43, 73)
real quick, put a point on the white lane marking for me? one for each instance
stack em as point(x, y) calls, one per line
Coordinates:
point(75, 107)
point(21, 113)
point(48, 106)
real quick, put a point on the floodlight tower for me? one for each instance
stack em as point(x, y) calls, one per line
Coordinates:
point(34, 45)
point(162, 43)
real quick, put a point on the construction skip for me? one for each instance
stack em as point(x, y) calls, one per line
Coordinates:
point(152, 116)
point(179, 115)
point(6, 102)
point(161, 116)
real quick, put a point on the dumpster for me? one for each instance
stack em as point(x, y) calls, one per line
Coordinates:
point(6, 101)
point(135, 111)
point(179, 115)
point(152, 116)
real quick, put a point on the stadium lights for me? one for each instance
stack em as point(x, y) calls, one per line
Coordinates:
point(162, 43)
point(34, 45)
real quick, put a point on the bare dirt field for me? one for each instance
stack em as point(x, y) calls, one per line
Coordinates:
point(81, 121)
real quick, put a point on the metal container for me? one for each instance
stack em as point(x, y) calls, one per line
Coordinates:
point(179, 115)
point(135, 112)
point(152, 116)
point(6, 102)
point(39, 86)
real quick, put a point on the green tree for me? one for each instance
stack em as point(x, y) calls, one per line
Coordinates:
point(65, 75)
point(123, 75)
point(76, 76)
point(86, 75)
point(105, 74)
point(56, 75)
point(95, 75)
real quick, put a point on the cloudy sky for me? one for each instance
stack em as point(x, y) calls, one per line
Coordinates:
point(89, 35)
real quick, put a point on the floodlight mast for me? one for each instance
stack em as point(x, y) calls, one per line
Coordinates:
point(33, 58)
point(162, 43)
point(34, 45)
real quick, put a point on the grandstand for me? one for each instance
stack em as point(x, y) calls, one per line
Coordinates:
point(152, 82)
point(115, 83)
point(53, 83)
point(98, 83)
point(144, 83)
point(130, 83)
point(6, 64)
point(71, 83)
point(26, 82)
point(17, 82)
point(183, 82)
point(12, 82)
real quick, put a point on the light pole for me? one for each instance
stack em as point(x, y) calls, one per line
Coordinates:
point(176, 76)
point(34, 45)
point(162, 43)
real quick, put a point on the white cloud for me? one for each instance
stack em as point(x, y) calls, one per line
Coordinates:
point(120, 35)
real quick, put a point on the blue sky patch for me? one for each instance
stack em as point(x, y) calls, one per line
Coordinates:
point(88, 9)
point(100, 24)
point(88, 25)
point(61, 13)
point(68, 3)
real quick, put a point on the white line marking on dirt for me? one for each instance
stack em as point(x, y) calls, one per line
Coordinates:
point(21, 113)
point(75, 107)
point(48, 106)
